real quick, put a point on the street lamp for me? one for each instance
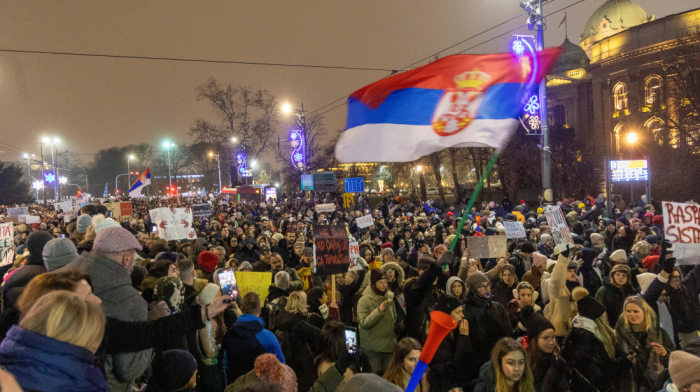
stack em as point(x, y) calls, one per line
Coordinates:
point(218, 164)
point(53, 161)
point(286, 108)
point(631, 138)
point(168, 145)
point(128, 169)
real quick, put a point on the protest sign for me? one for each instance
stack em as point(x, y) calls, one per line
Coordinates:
point(682, 229)
point(173, 223)
point(365, 221)
point(14, 213)
point(121, 208)
point(263, 204)
point(201, 209)
point(487, 247)
point(305, 275)
point(256, 282)
point(514, 230)
point(332, 249)
point(22, 218)
point(559, 228)
point(31, 219)
point(6, 242)
point(330, 207)
point(355, 257)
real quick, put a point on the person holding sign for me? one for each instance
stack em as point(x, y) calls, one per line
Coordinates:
point(376, 315)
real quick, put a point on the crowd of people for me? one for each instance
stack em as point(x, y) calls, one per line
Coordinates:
point(98, 304)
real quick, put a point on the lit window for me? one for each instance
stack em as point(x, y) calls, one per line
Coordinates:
point(656, 129)
point(620, 129)
point(620, 97)
point(652, 90)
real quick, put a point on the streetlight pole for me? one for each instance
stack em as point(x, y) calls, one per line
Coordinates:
point(43, 176)
point(301, 123)
point(29, 167)
point(546, 151)
point(167, 146)
point(218, 164)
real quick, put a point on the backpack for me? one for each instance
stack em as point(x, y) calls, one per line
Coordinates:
point(285, 339)
point(271, 312)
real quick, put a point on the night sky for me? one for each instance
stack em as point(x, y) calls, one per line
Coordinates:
point(94, 103)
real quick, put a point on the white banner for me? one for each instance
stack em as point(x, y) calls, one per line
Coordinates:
point(6, 242)
point(355, 257)
point(16, 212)
point(514, 230)
point(365, 221)
point(682, 229)
point(330, 207)
point(173, 223)
point(560, 231)
point(31, 219)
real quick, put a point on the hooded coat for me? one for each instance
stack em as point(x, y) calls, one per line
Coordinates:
point(501, 292)
point(588, 273)
point(448, 289)
point(376, 326)
point(243, 343)
point(303, 337)
point(245, 254)
point(560, 303)
point(613, 298)
point(488, 323)
point(14, 285)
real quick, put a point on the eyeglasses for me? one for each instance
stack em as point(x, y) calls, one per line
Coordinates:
point(484, 286)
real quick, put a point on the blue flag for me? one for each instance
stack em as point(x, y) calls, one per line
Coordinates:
point(106, 191)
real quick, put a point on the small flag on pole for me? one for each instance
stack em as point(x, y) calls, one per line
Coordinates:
point(143, 180)
point(563, 20)
point(106, 190)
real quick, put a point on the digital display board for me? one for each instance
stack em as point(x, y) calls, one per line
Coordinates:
point(623, 171)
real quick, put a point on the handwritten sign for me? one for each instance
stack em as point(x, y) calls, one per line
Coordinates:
point(255, 282)
point(332, 249)
point(355, 257)
point(305, 275)
point(682, 229)
point(330, 207)
point(560, 231)
point(201, 209)
point(514, 230)
point(7, 254)
point(14, 213)
point(31, 219)
point(487, 247)
point(121, 208)
point(173, 223)
point(365, 221)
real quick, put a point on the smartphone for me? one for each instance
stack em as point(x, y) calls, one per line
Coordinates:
point(351, 340)
point(227, 281)
point(63, 236)
point(155, 228)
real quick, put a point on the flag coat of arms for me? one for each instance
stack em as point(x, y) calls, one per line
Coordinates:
point(456, 101)
point(143, 180)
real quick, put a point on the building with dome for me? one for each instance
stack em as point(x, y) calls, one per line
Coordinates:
point(613, 81)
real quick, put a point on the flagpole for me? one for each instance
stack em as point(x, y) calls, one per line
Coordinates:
point(472, 198)
point(566, 25)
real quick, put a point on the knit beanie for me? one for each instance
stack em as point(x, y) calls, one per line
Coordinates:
point(539, 260)
point(173, 369)
point(624, 268)
point(684, 369)
point(369, 382)
point(588, 307)
point(645, 280)
point(545, 237)
point(619, 257)
point(244, 265)
point(58, 252)
point(308, 251)
point(596, 238)
point(402, 253)
point(101, 223)
point(208, 261)
point(208, 293)
point(447, 303)
point(268, 368)
point(83, 222)
point(90, 234)
point(534, 322)
point(527, 248)
point(652, 239)
point(376, 275)
point(476, 279)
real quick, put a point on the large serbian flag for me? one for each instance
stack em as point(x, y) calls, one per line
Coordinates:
point(457, 101)
point(143, 180)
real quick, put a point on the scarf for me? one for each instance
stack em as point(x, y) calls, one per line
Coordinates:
point(587, 324)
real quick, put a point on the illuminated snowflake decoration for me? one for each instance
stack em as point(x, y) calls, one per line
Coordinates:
point(518, 47)
point(532, 105)
point(295, 143)
point(293, 136)
point(300, 165)
point(50, 177)
point(535, 122)
point(297, 157)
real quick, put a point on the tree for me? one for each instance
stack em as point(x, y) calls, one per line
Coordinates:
point(13, 188)
point(251, 116)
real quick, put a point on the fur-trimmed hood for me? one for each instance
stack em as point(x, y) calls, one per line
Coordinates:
point(399, 271)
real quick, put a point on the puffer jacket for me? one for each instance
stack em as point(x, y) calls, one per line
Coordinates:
point(376, 326)
point(207, 340)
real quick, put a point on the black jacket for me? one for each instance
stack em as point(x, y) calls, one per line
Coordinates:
point(613, 298)
point(245, 254)
point(303, 337)
point(14, 285)
point(488, 323)
point(503, 293)
point(420, 299)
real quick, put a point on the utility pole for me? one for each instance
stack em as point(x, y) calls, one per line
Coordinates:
point(546, 150)
point(43, 177)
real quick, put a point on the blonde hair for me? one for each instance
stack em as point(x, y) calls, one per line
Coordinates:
point(502, 348)
point(642, 249)
point(649, 314)
point(67, 317)
point(297, 302)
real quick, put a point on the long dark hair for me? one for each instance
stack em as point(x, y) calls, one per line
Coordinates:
point(535, 355)
point(330, 343)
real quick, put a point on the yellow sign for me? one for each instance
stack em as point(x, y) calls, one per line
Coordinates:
point(348, 200)
point(375, 265)
point(305, 275)
point(257, 282)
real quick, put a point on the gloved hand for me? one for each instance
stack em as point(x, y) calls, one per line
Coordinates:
point(446, 258)
point(566, 252)
point(669, 264)
point(665, 244)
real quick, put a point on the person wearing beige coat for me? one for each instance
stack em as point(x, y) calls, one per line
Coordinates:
point(560, 305)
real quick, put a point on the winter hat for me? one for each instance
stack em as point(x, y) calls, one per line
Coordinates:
point(645, 280)
point(90, 234)
point(307, 251)
point(534, 322)
point(137, 275)
point(173, 369)
point(545, 237)
point(619, 256)
point(588, 307)
point(83, 222)
point(527, 248)
point(115, 240)
point(58, 252)
point(550, 265)
point(572, 266)
point(684, 369)
point(650, 261)
point(369, 382)
point(658, 220)
point(171, 290)
point(623, 220)
point(208, 261)
point(268, 368)
point(596, 238)
point(539, 260)
point(476, 279)
point(621, 268)
point(245, 264)
point(447, 303)
point(166, 256)
point(652, 239)
point(577, 239)
point(540, 210)
point(402, 253)
point(208, 293)
point(376, 275)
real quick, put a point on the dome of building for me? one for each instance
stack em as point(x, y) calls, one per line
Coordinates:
point(613, 16)
point(572, 57)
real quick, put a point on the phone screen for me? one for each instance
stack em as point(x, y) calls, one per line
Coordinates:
point(351, 340)
point(155, 228)
point(63, 236)
point(227, 281)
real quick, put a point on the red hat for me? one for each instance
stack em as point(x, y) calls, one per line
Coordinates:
point(35, 226)
point(522, 201)
point(387, 245)
point(208, 261)
point(450, 213)
point(658, 220)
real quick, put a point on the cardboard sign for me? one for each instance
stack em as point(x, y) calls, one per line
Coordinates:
point(514, 230)
point(31, 219)
point(7, 254)
point(173, 223)
point(332, 249)
point(256, 282)
point(365, 221)
point(355, 257)
point(560, 230)
point(201, 209)
point(121, 208)
point(330, 207)
point(14, 213)
point(487, 247)
point(305, 275)
point(682, 229)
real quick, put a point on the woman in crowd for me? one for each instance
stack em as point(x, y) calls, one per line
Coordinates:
point(329, 350)
point(402, 364)
point(624, 239)
point(504, 286)
point(456, 288)
point(635, 260)
point(376, 316)
point(507, 371)
point(613, 294)
point(210, 375)
point(317, 299)
point(548, 369)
